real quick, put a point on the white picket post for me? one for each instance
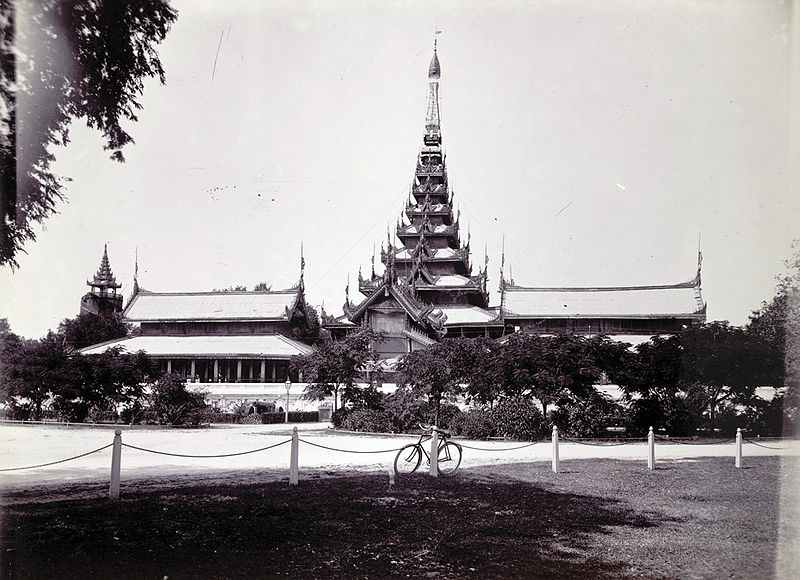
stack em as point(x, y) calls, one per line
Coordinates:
point(435, 453)
point(294, 467)
point(116, 460)
point(651, 450)
point(555, 449)
point(738, 447)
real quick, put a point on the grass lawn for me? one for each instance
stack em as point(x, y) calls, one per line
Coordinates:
point(600, 518)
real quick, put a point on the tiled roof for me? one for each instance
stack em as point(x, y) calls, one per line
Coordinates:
point(211, 346)
point(199, 306)
point(679, 300)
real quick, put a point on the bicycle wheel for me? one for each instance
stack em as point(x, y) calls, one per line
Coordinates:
point(449, 457)
point(408, 459)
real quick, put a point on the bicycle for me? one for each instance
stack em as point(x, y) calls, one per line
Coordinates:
point(409, 458)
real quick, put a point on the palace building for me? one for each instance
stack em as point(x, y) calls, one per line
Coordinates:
point(235, 345)
point(427, 291)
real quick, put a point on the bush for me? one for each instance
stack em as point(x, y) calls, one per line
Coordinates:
point(475, 424)
point(586, 418)
point(369, 420)
point(338, 417)
point(518, 418)
point(173, 404)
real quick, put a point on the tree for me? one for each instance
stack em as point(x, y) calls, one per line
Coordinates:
point(262, 287)
point(438, 372)
point(723, 364)
point(76, 59)
point(88, 329)
point(306, 328)
point(103, 382)
point(232, 288)
point(171, 403)
point(549, 368)
point(335, 366)
point(33, 371)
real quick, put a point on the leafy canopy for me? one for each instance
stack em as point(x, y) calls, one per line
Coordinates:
point(75, 59)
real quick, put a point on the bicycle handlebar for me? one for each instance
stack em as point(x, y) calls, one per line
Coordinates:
point(432, 428)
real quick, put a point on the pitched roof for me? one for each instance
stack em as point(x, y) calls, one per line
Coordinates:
point(461, 315)
point(672, 301)
point(211, 346)
point(202, 306)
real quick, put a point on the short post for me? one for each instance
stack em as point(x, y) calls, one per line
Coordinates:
point(294, 468)
point(116, 460)
point(435, 453)
point(739, 447)
point(555, 449)
point(391, 475)
point(651, 449)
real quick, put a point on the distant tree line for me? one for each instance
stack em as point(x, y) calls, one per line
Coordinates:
point(49, 379)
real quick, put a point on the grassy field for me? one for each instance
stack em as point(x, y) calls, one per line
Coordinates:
point(600, 518)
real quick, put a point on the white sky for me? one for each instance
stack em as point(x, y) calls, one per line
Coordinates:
point(601, 137)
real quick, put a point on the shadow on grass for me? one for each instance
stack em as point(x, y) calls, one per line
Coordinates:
point(350, 527)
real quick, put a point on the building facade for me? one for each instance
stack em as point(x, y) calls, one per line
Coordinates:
point(236, 346)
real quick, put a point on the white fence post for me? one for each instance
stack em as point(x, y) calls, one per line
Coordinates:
point(294, 467)
point(435, 453)
point(739, 447)
point(651, 449)
point(116, 460)
point(555, 449)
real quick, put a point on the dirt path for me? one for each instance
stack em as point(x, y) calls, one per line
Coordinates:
point(322, 451)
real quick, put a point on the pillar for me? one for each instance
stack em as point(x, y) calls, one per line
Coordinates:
point(263, 376)
point(239, 371)
point(215, 378)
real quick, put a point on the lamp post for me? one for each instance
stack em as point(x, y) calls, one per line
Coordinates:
point(288, 385)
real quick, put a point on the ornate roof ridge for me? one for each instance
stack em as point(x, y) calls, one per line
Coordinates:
point(514, 288)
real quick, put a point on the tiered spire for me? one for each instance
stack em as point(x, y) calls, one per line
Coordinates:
point(430, 258)
point(104, 278)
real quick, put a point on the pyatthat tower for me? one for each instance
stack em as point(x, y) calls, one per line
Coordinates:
point(103, 298)
point(427, 289)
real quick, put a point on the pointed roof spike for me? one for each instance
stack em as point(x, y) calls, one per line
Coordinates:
point(104, 278)
point(136, 271)
point(373, 260)
point(503, 261)
point(699, 262)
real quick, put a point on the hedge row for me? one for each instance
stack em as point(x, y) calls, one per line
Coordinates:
point(262, 418)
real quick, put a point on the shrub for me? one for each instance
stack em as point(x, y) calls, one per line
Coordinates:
point(338, 416)
point(475, 424)
point(518, 418)
point(369, 420)
point(586, 418)
point(172, 404)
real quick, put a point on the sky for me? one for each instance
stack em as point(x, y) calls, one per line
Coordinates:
point(604, 142)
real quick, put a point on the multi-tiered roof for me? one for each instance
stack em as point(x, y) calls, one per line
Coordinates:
point(103, 297)
point(429, 270)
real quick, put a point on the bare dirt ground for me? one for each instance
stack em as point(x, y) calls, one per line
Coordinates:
point(504, 513)
point(322, 451)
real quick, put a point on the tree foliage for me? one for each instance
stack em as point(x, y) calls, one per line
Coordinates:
point(172, 403)
point(47, 375)
point(75, 59)
point(438, 372)
point(88, 329)
point(334, 367)
point(549, 368)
